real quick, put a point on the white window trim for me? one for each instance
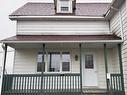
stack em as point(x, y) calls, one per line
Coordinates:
point(70, 10)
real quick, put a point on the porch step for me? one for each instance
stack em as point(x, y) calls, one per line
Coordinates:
point(94, 91)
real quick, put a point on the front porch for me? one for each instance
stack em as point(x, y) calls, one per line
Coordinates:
point(91, 68)
point(51, 84)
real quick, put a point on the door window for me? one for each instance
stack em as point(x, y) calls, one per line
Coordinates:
point(89, 61)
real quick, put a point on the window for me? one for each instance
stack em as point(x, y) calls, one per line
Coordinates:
point(89, 61)
point(64, 6)
point(64, 9)
point(65, 61)
point(54, 61)
point(41, 62)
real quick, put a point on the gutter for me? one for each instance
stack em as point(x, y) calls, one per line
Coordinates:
point(82, 41)
point(55, 17)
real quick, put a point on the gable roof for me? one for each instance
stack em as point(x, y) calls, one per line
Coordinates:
point(48, 9)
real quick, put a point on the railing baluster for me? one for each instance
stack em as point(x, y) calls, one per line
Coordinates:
point(75, 84)
point(44, 83)
point(115, 83)
point(34, 84)
point(70, 84)
point(14, 82)
point(24, 84)
point(60, 83)
point(30, 83)
point(54, 83)
point(57, 82)
point(65, 83)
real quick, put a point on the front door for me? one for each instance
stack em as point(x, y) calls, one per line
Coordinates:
point(89, 70)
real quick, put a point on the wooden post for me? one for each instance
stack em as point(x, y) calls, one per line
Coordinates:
point(121, 67)
point(106, 65)
point(4, 64)
point(43, 68)
point(80, 67)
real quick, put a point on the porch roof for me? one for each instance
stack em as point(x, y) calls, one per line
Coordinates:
point(61, 38)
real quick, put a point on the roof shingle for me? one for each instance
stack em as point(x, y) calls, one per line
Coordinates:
point(48, 9)
point(67, 38)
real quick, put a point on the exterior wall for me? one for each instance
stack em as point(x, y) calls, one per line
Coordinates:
point(62, 27)
point(25, 61)
point(121, 30)
point(115, 24)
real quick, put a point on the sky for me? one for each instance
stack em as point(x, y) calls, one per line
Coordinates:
point(8, 27)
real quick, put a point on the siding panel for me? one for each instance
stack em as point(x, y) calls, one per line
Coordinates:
point(62, 27)
point(123, 18)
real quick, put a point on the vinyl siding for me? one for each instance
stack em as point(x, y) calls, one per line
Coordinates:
point(123, 32)
point(62, 27)
point(25, 61)
point(115, 24)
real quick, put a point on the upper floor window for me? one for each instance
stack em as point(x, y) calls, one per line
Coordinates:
point(64, 6)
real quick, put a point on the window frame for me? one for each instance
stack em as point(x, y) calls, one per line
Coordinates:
point(62, 3)
point(47, 62)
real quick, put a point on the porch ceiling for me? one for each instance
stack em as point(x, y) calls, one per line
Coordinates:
point(36, 41)
point(60, 45)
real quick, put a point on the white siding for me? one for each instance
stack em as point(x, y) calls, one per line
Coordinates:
point(25, 61)
point(122, 30)
point(115, 24)
point(62, 27)
point(124, 46)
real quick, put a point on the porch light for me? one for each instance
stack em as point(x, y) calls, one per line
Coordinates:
point(3, 46)
point(76, 57)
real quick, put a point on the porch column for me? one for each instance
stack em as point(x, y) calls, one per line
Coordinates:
point(106, 64)
point(4, 64)
point(121, 67)
point(80, 67)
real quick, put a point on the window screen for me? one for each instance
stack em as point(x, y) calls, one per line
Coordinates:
point(40, 62)
point(65, 61)
point(54, 61)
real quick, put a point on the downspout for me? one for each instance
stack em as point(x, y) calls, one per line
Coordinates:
point(80, 50)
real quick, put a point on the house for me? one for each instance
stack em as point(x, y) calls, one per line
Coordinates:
point(67, 47)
